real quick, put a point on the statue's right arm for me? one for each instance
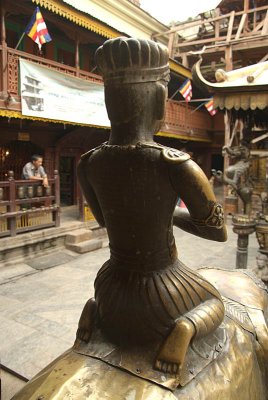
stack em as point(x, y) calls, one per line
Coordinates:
point(204, 216)
point(88, 191)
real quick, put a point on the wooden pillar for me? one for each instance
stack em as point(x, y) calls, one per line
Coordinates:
point(217, 24)
point(57, 197)
point(3, 70)
point(184, 58)
point(229, 58)
point(246, 8)
point(12, 203)
point(77, 61)
point(171, 44)
point(3, 25)
point(227, 130)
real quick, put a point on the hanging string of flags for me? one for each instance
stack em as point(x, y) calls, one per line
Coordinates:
point(36, 30)
point(186, 91)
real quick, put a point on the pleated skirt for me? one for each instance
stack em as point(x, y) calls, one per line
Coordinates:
point(139, 307)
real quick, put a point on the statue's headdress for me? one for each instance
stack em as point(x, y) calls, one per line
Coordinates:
point(127, 60)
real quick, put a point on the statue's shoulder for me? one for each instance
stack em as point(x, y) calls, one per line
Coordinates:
point(89, 153)
point(169, 154)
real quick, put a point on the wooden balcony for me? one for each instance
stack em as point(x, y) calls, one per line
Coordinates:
point(10, 73)
point(180, 120)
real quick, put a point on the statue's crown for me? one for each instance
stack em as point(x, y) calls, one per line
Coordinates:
point(128, 60)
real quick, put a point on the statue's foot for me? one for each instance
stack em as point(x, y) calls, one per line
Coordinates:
point(87, 321)
point(171, 356)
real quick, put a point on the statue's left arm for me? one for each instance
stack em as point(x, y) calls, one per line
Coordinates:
point(204, 216)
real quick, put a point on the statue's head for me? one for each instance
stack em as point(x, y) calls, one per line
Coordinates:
point(240, 152)
point(135, 74)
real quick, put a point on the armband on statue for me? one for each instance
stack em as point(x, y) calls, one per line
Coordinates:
point(215, 218)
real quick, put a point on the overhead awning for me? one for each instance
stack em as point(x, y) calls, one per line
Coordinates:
point(92, 24)
point(18, 114)
point(78, 18)
point(243, 101)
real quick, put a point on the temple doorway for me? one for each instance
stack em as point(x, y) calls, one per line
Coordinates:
point(67, 181)
point(217, 162)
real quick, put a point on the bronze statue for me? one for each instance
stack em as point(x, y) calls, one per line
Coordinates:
point(155, 329)
point(139, 219)
point(261, 269)
point(237, 175)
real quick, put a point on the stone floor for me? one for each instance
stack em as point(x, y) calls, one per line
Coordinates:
point(40, 308)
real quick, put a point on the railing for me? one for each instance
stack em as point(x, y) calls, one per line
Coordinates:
point(181, 119)
point(10, 62)
point(25, 205)
point(221, 30)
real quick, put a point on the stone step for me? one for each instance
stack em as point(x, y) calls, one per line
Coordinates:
point(79, 235)
point(85, 246)
point(99, 232)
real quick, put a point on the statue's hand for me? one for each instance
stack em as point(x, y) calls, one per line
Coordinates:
point(171, 356)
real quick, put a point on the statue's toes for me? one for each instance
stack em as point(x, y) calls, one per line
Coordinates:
point(83, 334)
point(166, 367)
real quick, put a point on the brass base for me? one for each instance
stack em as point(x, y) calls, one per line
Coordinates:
point(97, 371)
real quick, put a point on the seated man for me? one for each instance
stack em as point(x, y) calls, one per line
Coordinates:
point(34, 170)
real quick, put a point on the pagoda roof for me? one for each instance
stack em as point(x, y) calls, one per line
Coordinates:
point(244, 88)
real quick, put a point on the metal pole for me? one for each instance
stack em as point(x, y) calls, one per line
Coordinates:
point(200, 105)
point(22, 36)
point(191, 101)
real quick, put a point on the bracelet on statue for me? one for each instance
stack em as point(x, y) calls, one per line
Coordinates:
point(215, 218)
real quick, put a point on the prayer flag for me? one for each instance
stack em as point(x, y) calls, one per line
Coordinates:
point(210, 107)
point(186, 90)
point(37, 29)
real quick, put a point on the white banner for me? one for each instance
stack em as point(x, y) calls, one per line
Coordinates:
point(50, 94)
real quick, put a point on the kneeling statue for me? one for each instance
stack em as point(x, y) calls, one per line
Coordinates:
point(155, 329)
